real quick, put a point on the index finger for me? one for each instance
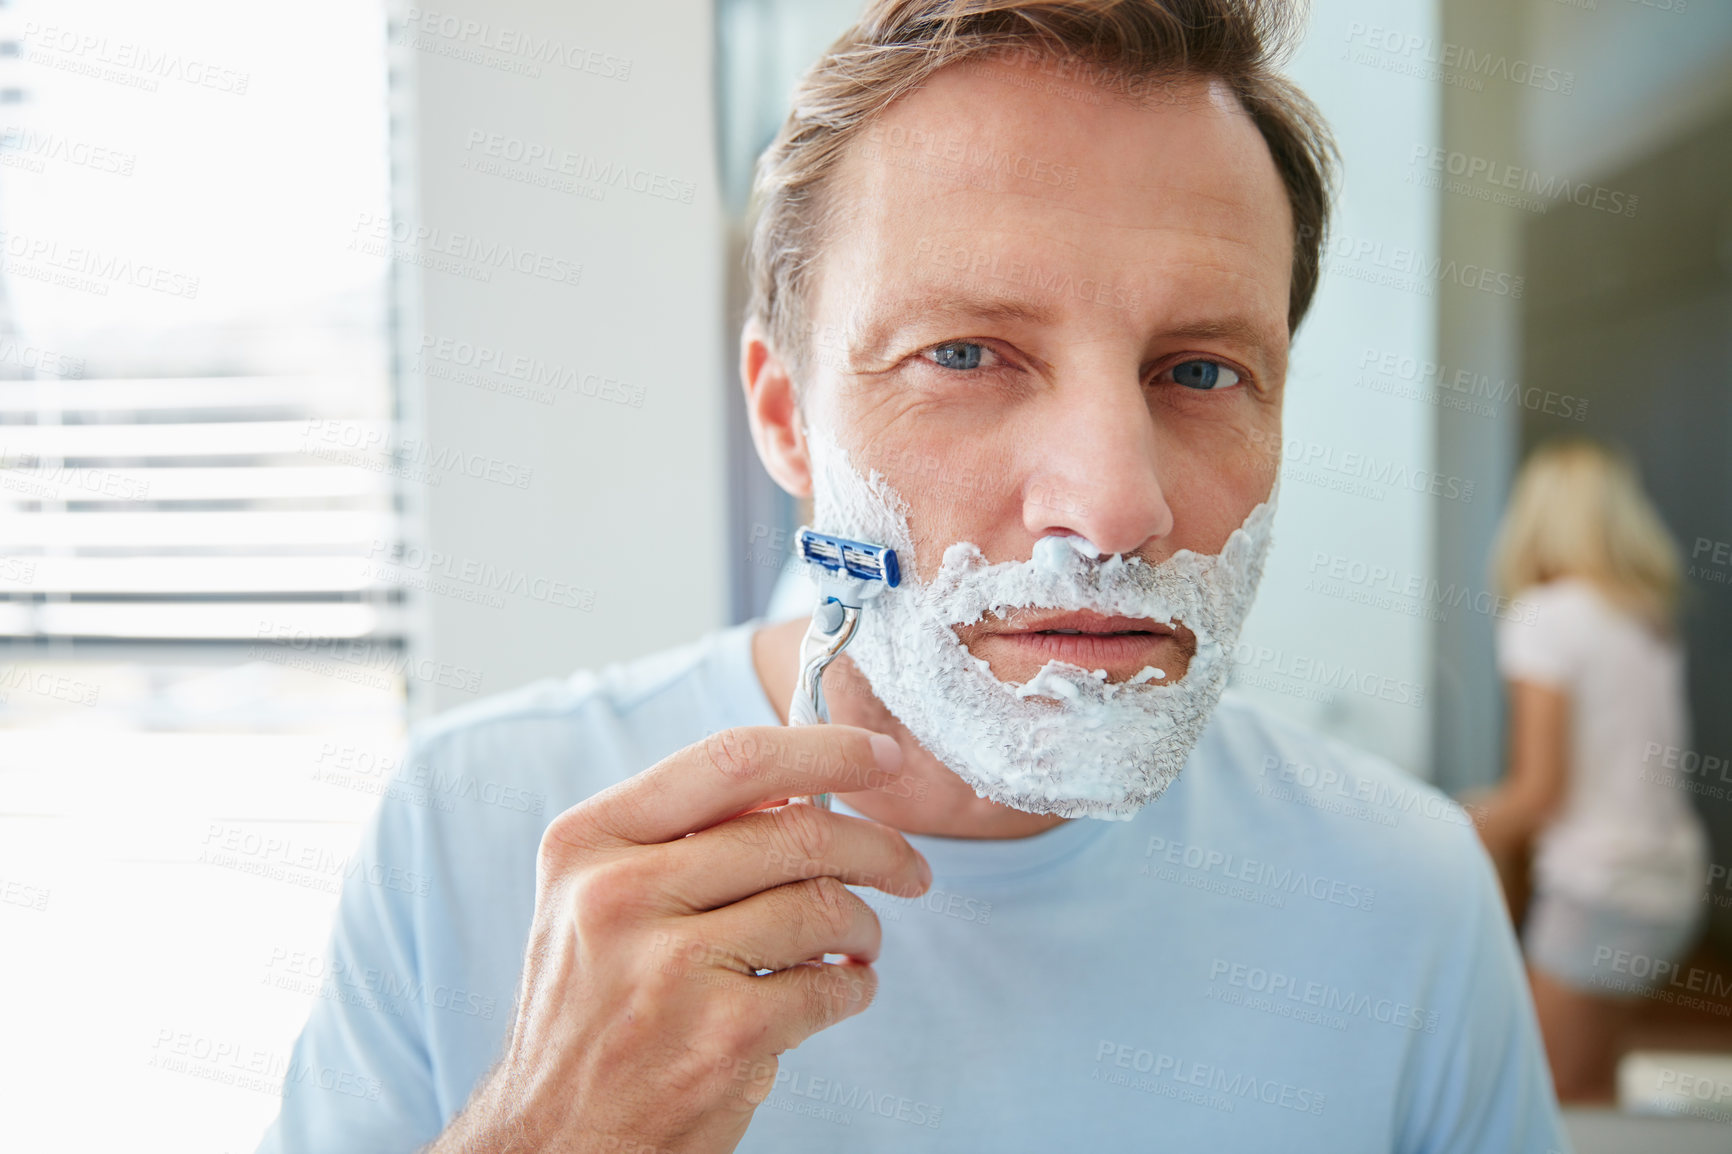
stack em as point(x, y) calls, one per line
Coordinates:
point(733, 771)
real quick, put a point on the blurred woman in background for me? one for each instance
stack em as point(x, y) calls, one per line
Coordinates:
point(1595, 673)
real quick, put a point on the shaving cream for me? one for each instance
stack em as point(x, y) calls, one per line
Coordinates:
point(1067, 741)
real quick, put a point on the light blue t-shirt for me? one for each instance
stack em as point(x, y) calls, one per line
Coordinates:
point(1297, 948)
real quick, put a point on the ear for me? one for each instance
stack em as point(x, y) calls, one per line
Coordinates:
point(777, 429)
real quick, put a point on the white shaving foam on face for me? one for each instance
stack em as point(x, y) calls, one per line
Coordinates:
point(1067, 741)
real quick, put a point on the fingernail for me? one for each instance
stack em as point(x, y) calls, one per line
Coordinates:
point(888, 753)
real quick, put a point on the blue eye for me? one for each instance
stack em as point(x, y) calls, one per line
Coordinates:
point(959, 355)
point(1204, 375)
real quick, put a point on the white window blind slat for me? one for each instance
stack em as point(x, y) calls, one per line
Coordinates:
point(20, 443)
point(160, 576)
point(312, 628)
point(256, 482)
point(354, 531)
point(312, 395)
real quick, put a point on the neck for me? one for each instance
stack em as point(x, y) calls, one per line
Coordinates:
point(942, 804)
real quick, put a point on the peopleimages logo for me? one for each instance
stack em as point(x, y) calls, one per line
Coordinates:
point(1499, 175)
point(469, 248)
point(136, 65)
point(531, 372)
point(978, 156)
point(1353, 472)
point(1206, 1076)
point(849, 1096)
point(395, 561)
point(1338, 576)
point(1396, 799)
point(1408, 269)
point(89, 269)
point(529, 46)
point(555, 160)
point(1454, 63)
point(1250, 661)
point(1326, 998)
point(1661, 979)
point(1458, 387)
point(1206, 860)
point(246, 1067)
point(40, 147)
point(358, 661)
point(1049, 282)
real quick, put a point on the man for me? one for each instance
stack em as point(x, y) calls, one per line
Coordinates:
point(1025, 276)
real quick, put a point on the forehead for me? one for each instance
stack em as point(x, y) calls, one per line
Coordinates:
point(1172, 201)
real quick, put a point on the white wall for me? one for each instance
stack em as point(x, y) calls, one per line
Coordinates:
point(623, 510)
point(1351, 656)
point(1646, 71)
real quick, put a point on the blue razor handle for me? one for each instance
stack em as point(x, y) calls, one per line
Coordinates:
point(849, 574)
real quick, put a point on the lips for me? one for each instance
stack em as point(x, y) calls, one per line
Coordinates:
point(1017, 644)
point(1078, 622)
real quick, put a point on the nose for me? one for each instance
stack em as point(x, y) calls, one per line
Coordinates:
point(1097, 472)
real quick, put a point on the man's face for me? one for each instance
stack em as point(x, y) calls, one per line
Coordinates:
point(1043, 311)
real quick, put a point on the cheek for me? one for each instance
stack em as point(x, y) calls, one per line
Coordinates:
point(1238, 426)
point(952, 498)
point(1258, 466)
point(1246, 473)
point(1213, 477)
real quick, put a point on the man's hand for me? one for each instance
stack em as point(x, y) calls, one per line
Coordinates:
point(643, 1023)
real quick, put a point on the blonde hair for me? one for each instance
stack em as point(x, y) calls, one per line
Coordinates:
point(1123, 46)
point(1578, 510)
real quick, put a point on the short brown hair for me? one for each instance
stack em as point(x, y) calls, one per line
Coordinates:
point(1123, 44)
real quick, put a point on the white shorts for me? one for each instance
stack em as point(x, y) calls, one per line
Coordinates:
point(1601, 950)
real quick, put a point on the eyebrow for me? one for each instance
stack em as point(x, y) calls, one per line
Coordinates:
point(1237, 329)
point(965, 306)
point(951, 306)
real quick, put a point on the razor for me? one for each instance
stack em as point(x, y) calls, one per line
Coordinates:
point(848, 574)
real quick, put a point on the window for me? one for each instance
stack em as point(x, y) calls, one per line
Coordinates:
point(201, 495)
